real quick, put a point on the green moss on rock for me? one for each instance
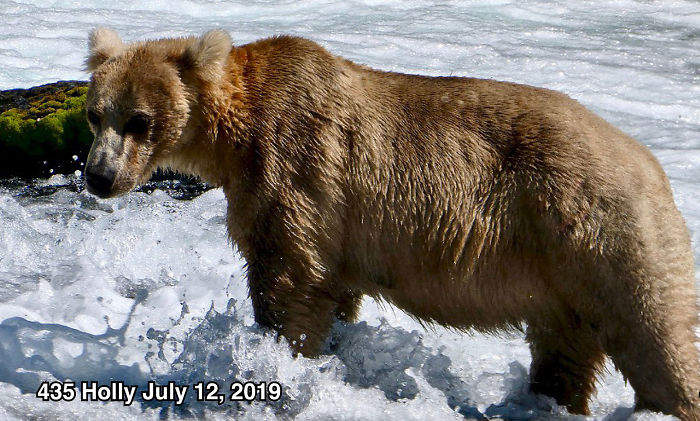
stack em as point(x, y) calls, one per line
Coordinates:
point(42, 128)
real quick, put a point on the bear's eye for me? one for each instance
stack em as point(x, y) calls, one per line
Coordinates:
point(138, 124)
point(93, 118)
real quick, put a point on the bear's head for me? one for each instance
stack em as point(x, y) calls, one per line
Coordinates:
point(139, 103)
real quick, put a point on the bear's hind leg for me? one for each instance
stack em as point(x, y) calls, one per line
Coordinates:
point(629, 273)
point(642, 302)
point(565, 361)
point(651, 341)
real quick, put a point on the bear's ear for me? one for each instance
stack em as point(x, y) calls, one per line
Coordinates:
point(103, 43)
point(207, 54)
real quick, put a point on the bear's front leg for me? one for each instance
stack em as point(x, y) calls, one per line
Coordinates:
point(291, 299)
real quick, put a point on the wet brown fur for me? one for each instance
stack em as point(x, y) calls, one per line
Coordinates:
point(470, 203)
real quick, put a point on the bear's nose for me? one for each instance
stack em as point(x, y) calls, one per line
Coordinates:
point(99, 182)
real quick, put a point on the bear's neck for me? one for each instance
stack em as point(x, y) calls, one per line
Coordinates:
point(217, 125)
point(269, 89)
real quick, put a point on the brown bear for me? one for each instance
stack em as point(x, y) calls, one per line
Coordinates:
point(470, 203)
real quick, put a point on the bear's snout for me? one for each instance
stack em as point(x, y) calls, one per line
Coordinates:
point(99, 181)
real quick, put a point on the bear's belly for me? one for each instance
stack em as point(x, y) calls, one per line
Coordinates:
point(496, 297)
